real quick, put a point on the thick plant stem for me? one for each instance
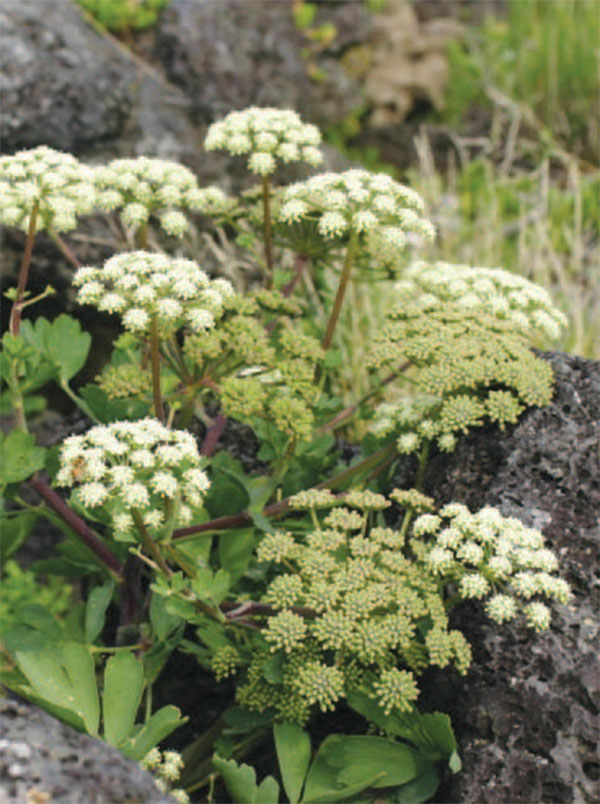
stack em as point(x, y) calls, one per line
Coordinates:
point(149, 543)
point(339, 298)
point(213, 434)
point(80, 528)
point(267, 231)
point(14, 323)
point(64, 249)
point(155, 360)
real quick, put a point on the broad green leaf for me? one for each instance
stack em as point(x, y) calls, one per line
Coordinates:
point(432, 732)
point(19, 457)
point(322, 785)
point(163, 622)
point(13, 532)
point(64, 676)
point(67, 346)
point(267, 792)
point(236, 550)
point(109, 410)
point(293, 753)
point(240, 780)
point(161, 724)
point(95, 609)
point(358, 756)
point(123, 685)
point(227, 494)
point(420, 789)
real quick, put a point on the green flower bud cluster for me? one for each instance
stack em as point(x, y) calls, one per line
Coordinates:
point(128, 467)
point(166, 767)
point(266, 135)
point(358, 604)
point(372, 205)
point(492, 558)
point(262, 371)
point(142, 286)
point(461, 357)
point(145, 187)
point(494, 291)
point(59, 183)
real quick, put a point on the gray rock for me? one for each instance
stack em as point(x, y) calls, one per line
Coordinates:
point(527, 713)
point(228, 55)
point(41, 760)
point(62, 84)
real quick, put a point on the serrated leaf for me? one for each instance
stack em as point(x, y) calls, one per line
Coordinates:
point(358, 756)
point(293, 753)
point(322, 785)
point(240, 780)
point(267, 792)
point(19, 457)
point(66, 346)
point(123, 685)
point(95, 609)
point(161, 724)
point(420, 789)
point(64, 676)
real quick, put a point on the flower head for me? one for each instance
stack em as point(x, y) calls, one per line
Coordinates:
point(266, 135)
point(134, 465)
point(146, 186)
point(62, 186)
point(379, 209)
point(141, 285)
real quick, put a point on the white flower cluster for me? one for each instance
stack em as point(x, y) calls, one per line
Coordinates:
point(492, 290)
point(140, 285)
point(371, 204)
point(146, 186)
point(138, 465)
point(266, 135)
point(62, 186)
point(494, 557)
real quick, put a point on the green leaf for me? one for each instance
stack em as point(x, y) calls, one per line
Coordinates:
point(304, 14)
point(109, 410)
point(95, 609)
point(322, 784)
point(420, 789)
point(455, 762)
point(268, 791)
point(358, 756)
point(432, 732)
point(123, 685)
point(240, 780)
point(13, 532)
point(161, 724)
point(19, 457)
point(64, 676)
point(66, 346)
point(293, 753)
point(163, 622)
point(228, 493)
point(236, 550)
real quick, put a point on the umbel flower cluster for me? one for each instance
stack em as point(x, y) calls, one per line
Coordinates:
point(351, 608)
point(144, 187)
point(261, 374)
point(494, 291)
point(492, 558)
point(166, 768)
point(471, 364)
point(266, 135)
point(142, 286)
point(356, 607)
point(138, 472)
point(372, 205)
point(62, 187)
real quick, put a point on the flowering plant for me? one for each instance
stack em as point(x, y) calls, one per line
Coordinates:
point(297, 580)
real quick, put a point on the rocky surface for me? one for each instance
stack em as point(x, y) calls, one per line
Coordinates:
point(43, 761)
point(527, 713)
